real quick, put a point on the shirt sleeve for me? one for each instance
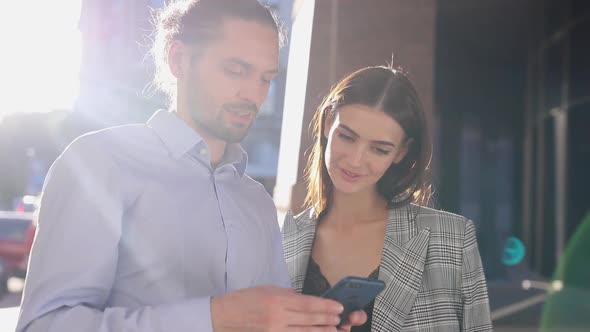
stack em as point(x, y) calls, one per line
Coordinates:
point(74, 257)
point(476, 308)
point(279, 268)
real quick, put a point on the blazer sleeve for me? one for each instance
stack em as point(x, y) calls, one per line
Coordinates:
point(476, 308)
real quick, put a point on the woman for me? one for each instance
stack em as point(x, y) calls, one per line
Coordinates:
point(366, 217)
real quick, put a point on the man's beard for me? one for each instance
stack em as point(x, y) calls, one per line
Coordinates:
point(216, 126)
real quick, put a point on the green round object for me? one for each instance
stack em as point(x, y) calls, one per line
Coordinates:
point(513, 252)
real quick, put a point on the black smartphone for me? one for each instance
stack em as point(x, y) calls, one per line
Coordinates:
point(354, 293)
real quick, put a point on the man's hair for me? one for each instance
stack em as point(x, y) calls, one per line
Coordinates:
point(197, 22)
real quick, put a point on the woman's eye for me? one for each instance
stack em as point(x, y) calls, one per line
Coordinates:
point(345, 137)
point(382, 151)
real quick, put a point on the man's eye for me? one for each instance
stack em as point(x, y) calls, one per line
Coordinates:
point(233, 71)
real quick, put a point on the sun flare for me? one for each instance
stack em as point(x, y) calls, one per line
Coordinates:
point(40, 58)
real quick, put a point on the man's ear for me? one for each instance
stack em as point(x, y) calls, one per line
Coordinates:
point(403, 150)
point(177, 56)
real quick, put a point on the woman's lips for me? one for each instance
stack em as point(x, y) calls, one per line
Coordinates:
point(349, 176)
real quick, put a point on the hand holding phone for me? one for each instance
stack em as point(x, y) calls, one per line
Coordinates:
point(354, 293)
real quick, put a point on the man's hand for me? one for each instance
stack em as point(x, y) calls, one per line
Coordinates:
point(268, 308)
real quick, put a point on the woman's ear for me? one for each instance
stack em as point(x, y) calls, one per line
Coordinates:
point(403, 150)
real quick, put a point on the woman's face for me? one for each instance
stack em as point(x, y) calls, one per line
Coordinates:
point(362, 143)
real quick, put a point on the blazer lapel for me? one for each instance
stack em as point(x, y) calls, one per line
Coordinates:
point(298, 236)
point(402, 265)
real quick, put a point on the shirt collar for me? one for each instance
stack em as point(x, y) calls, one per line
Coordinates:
point(180, 139)
point(236, 155)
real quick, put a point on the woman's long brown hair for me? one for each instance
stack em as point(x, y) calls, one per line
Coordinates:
point(390, 91)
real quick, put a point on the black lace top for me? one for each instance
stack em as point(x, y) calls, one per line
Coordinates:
point(316, 284)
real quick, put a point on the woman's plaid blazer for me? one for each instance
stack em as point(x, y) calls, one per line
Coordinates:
point(430, 264)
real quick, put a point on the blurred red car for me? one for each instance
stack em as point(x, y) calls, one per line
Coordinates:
point(17, 230)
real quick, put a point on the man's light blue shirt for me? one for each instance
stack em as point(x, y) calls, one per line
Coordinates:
point(137, 231)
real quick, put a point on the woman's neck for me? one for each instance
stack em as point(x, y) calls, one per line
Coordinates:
point(355, 209)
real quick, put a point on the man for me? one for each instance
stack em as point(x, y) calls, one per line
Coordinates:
point(155, 227)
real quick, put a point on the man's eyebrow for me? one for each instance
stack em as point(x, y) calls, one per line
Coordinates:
point(249, 66)
point(238, 62)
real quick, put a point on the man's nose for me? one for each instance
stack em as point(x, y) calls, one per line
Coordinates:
point(254, 91)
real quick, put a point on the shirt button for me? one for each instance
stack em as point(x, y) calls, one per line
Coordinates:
point(203, 151)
